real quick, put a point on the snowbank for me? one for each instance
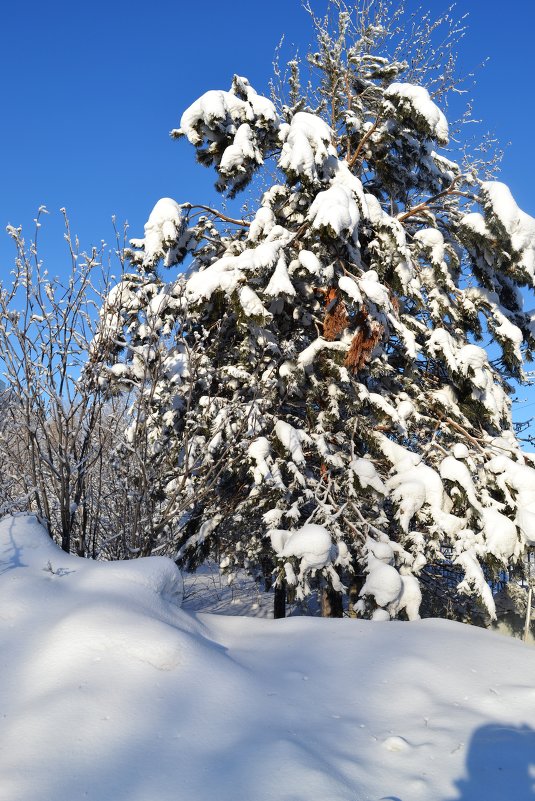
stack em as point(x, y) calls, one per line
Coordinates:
point(111, 691)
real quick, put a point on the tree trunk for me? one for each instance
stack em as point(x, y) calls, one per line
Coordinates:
point(331, 603)
point(279, 600)
point(356, 585)
point(267, 574)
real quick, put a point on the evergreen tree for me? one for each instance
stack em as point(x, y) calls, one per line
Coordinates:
point(309, 391)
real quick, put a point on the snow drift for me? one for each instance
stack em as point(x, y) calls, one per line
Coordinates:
point(110, 690)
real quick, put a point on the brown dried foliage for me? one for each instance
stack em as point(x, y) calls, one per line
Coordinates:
point(336, 319)
point(395, 303)
point(367, 336)
point(335, 322)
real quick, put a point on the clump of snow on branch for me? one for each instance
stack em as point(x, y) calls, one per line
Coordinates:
point(306, 148)
point(163, 231)
point(504, 214)
point(414, 103)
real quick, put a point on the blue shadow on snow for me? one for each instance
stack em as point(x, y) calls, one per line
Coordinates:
point(500, 765)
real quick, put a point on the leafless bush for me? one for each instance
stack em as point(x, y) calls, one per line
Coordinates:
point(52, 434)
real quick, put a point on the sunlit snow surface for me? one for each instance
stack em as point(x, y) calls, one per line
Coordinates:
point(110, 691)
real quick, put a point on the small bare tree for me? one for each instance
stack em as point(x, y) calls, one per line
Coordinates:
point(52, 423)
point(81, 445)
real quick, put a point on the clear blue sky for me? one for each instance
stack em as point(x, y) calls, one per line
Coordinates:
point(92, 89)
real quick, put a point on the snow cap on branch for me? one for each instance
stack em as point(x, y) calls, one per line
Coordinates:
point(413, 104)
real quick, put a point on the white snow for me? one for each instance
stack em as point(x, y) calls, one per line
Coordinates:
point(519, 226)
point(263, 109)
point(367, 475)
point(350, 287)
point(240, 151)
point(111, 691)
point(503, 328)
point(472, 361)
point(409, 599)
point(311, 544)
point(475, 578)
point(432, 240)
point(306, 147)
point(413, 483)
point(383, 582)
point(292, 439)
point(374, 290)
point(414, 103)
point(456, 471)
point(265, 469)
point(501, 535)
point(225, 111)
point(441, 341)
point(176, 365)
point(222, 274)
point(251, 303)
point(310, 262)
point(475, 222)
point(335, 211)
point(307, 356)
point(460, 451)
point(520, 478)
point(164, 227)
point(229, 271)
point(279, 283)
point(262, 224)
point(213, 106)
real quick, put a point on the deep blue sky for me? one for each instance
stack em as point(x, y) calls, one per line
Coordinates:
point(91, 91)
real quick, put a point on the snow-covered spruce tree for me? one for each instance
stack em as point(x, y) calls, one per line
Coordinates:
point(310, 390)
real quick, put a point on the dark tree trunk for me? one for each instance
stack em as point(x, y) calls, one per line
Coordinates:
point(65, 535)
point(331, 603)
point(279, 600)
point(267, 574)
point(356, 585)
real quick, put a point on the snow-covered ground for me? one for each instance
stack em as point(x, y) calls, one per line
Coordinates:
point(110, 691)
